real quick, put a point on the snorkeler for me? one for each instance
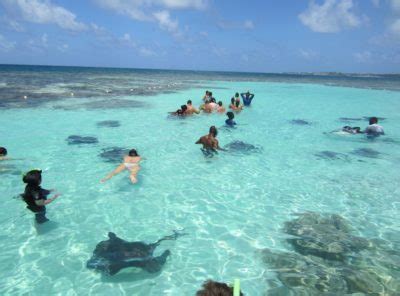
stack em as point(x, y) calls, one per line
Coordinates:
point(131, 163)
point(247, 97)
point(3, 153)
point(230, 121)
point(374, 129)
point(190, 108)
point(210, 141)
point(35, 196)
point(220, 108)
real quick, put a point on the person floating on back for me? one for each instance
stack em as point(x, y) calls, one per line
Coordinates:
point(35, 196)
point(230, 122)
point(247, 98)
point(3, 153)
point(374, 129)
point(210, 141)
point(131, 163)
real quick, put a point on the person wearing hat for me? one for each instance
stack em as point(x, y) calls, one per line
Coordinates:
point(35, 196)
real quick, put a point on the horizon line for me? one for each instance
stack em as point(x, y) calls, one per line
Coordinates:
point(211, 71)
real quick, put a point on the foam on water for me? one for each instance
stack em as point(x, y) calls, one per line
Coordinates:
point(232, 205)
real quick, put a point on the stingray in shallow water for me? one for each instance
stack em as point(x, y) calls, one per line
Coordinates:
point(331, 155)
point(113, 154)
point(108, 123)
point(114, 254)
point(300, 122)
point(76, 140)
point(239, 146)
point(367, 152)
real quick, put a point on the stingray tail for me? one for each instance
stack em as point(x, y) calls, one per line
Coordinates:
point(173, 236)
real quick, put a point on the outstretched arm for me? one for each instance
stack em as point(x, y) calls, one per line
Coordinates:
point(119, 169)
point(43, 202)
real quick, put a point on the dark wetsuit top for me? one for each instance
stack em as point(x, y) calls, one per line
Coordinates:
point(33, 193)
point(230, 122)
point(247, 98)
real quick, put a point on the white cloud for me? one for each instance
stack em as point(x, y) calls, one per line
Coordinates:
point(248, 25)
point(12, 24)
point(331, 16)
point(44, 12)
point(166, 23)
point(395, 4)
point(203, 33)
point(308, 54)
point(153, 10)
point(6, 45)
point(127, 40)
point(44, 40)
point(231, 25)
point(363, 57)
point(143, 51)
point(395, 27)
point(376, 3)
point(63, 47)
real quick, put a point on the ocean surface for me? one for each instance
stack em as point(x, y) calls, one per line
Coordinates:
point(290, 207)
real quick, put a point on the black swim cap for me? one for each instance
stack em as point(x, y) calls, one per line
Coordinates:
point(3, 151)
point(189, 102)
point(33, 177)
point(133, 153)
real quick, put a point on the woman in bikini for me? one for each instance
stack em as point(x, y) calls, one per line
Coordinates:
point(131, 163)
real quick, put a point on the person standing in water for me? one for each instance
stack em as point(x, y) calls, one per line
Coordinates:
point(374, 129)
point(220, 108)
point(230, 122)
point(131, 163)
point(247, 98)
point(35, 196)
point(210, 141)
point(190, 108)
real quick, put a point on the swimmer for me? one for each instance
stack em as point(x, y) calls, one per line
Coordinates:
point(220, 108)
point(210, 141)
point(207, 107)
point(3, 153)
point(211, 288)
point(352, 130)
point(232, 105)
point(180, 112)
point(131, 163)
point(35, 196)
point(206, 96)
point(374, 129)
point(190, 108)
point(247, 97)
point(213, 104)
point(238, 107)
point(230, 121)
point(237, 98)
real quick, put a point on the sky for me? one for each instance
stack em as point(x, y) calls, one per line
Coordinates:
point(360, 36)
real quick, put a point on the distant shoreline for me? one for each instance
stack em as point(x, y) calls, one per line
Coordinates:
point(328, 73)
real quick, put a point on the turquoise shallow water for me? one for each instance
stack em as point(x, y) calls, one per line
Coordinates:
point(231, 206)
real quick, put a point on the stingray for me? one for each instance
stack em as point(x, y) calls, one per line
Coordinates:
point(76, 140)
point(300, 122)
point(114, 254)
point(331, 155)
point(347, 119)
point(239, 146)
point(108, 123)
point(366, 152)
point(113, 154)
